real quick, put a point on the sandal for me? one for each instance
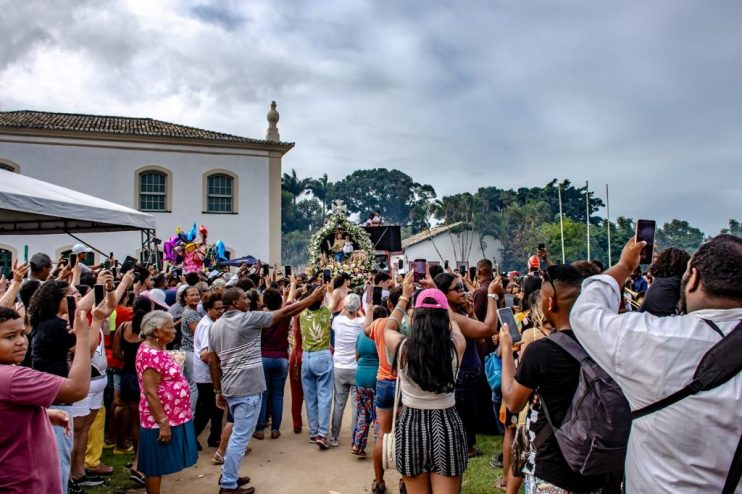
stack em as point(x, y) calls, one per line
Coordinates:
point(137, 476)
point(378, 487)
point(217, 459)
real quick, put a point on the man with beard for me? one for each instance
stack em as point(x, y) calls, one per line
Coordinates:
point(688, 446)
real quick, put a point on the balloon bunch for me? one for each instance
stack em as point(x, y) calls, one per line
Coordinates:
point(183, 248)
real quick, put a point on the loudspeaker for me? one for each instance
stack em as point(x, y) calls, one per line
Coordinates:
point(386, 238)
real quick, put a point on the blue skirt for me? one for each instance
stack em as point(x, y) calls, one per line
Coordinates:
point(156, 459)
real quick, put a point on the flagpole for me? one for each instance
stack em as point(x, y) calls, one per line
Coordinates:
point(587, 218)
point(561, 220)
point(608, 214)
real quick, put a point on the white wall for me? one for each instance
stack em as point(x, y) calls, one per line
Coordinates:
point(107, 170)
point(442, 242)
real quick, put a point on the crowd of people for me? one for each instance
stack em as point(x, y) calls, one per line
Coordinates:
point(144, 361)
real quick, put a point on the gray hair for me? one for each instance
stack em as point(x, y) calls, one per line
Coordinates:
point(154, 320)
point(352, 303)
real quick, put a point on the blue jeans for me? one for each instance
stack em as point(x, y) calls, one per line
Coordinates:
point(316, 379)
point(276, 370)
point(245, 410)
point(64, 448)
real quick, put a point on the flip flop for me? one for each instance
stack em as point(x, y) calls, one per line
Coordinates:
point(137, 476)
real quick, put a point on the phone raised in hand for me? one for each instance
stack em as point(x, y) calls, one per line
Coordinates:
point(419, 270)
point(505, 316)
point(71, 309)
point(376, 297)
point(287, 271)
point(472, 273)
point(541, 246)
point(645, 230)
point(128, 264)
point(266, 270)
point(73, 259)
point(461, 267)
point(327, 275)
point(100, 294)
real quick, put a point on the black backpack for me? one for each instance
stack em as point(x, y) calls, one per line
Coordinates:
point(720, 364)
point(595, 430)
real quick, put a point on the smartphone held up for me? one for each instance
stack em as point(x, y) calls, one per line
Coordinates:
point(506, 316)
point(645, 230)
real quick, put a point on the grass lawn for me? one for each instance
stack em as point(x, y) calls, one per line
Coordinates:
point(480, 477)
point(118, 482)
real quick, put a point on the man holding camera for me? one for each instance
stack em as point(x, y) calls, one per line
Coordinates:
point(687, 446)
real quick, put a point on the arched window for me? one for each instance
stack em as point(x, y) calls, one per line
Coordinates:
point(153, 190)
point(220, 189)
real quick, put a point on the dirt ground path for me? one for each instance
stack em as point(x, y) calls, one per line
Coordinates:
point(289, 464)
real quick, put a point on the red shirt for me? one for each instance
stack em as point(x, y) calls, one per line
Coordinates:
point(123, 314)
point(28, 451)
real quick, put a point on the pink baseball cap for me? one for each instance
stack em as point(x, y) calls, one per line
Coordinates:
point(440, 299)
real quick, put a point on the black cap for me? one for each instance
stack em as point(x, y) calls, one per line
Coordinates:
point(39, 261)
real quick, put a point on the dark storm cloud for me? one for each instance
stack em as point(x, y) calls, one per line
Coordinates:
point(644, 96)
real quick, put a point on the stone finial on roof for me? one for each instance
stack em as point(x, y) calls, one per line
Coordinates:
point(272, 134)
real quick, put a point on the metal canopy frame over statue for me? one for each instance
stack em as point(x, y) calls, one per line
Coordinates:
point(33, 207)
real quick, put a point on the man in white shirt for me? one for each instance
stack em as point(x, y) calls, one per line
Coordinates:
point(206, 409)
point(688, 446)
point(347, 326)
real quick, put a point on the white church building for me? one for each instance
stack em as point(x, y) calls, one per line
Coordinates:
point(176, 173)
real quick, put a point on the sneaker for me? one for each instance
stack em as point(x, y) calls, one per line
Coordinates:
point(321, 442)
point(496, 461)
point(334, 442)
point(74, 488)
point(90, 480)
point(312, 439)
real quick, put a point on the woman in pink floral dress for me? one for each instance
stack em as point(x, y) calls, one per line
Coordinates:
point(167, 442)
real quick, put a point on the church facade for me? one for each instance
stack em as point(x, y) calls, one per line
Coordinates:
point(178, 174)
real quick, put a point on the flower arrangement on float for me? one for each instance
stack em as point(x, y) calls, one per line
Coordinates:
point(358, 264)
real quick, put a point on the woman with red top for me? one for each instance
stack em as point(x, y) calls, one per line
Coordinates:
point(297, 392)
point(167, 441)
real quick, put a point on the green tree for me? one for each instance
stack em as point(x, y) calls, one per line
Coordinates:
point(320, 189)
point(391, 191)
point(524, 232)
point(680, 234)
point(735, 228)
point(294, 185)
point(295, 247)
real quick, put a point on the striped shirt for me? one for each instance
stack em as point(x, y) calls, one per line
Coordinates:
point(235, 338)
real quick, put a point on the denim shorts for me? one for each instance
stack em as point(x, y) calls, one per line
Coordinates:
point(384, 398)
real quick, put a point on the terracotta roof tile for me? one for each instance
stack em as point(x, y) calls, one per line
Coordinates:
point(124, 126)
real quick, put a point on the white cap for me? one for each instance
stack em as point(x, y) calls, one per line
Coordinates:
point(80, 248)
point(157, 296)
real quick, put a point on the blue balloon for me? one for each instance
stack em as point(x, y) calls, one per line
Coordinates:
point(220, 251)
point(192, 234)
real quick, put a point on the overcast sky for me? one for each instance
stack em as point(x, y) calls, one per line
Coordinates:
point(644, 96)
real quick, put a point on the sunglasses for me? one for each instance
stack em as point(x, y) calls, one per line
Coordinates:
point(459, 287)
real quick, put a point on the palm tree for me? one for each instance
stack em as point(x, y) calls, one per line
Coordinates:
point(320, 189)
point(294, 185)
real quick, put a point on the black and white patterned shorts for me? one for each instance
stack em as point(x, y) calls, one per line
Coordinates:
point(430, 441)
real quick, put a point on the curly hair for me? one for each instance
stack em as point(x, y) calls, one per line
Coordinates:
point(142, 306)
point(719, 266)
point(670, 262)
point(44, 303)
point(8, 314)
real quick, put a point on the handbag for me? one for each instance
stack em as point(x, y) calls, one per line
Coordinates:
point(493, 370)
point(388, 441)
point(521, 445)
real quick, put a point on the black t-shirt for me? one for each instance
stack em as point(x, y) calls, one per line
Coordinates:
point(50, 347)
point(662, 297)
point(553, 374)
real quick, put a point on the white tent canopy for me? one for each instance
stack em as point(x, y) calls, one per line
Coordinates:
point(30, 206)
